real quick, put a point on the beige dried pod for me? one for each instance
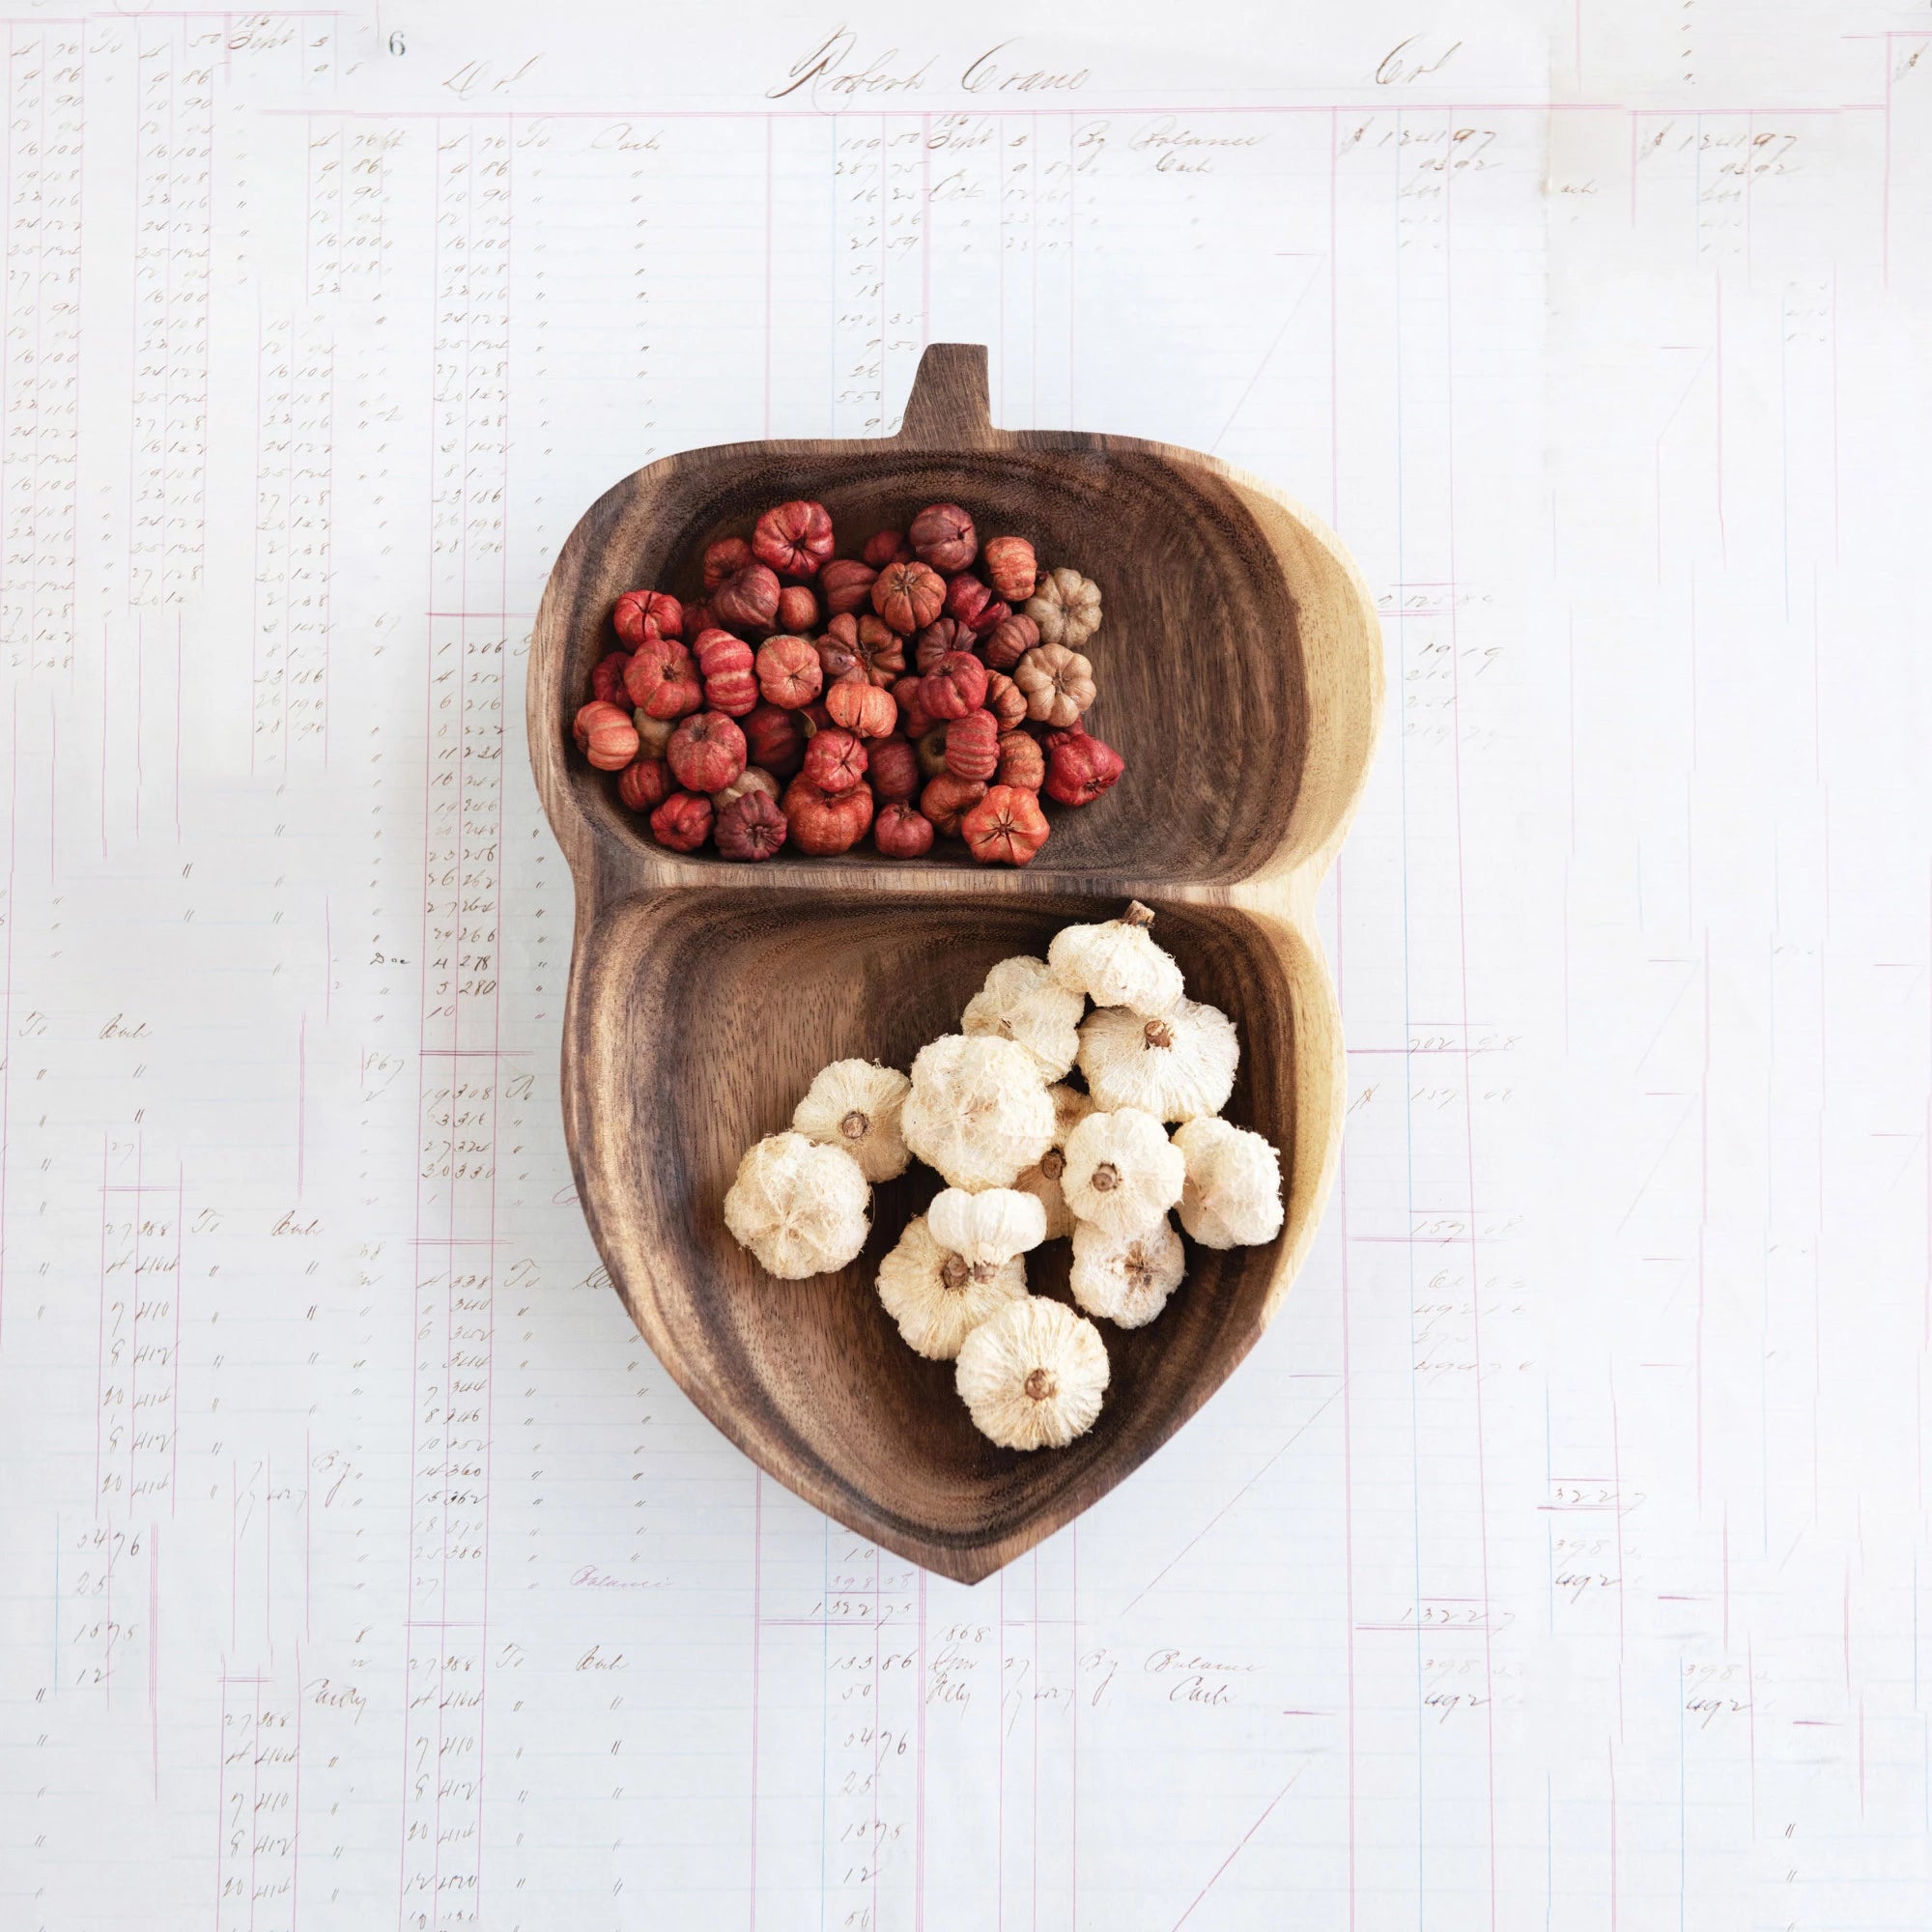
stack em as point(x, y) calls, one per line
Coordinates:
point(1126, 1278)
point(937, 1296)
point(1175, 1066)
point(1123, 1173)
point(1023, 1000)
point(1115, 963)
point(1066, 606)
point(854, 1106)
point(992, 1225)
point(800, 1208)
point(976, 1111)
point(1071, 1106)
point(1233, 1195)
point(1032, 1375)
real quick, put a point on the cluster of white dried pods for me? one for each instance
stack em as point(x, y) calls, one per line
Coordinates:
point(1028, 1157)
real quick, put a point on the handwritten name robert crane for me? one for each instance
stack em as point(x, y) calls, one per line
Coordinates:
point(839, 71)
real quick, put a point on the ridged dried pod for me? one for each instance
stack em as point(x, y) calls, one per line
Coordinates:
point(880, 649)
point(1176, 1065)
point(729, 672)
point(978, 1111)
point(947, 799)
point(682, 823)
point(823, 823)
point(1020, 1000)
point(973, 746)
point(1011, 567)
point(607, 679)
point(775, 740)
point(642, 612)
point(913, 719)
point(835, 761)
point(990, 1227)
point(793, 538)
point(1232, 1194)
point(855, 1106)
point(893, 771)
point(943, 537)
point(724, 559)
point(847, 584)
point(1007, 701)
point(789, 672)
point(750, 828)
point(938, 1297)
point(706, 752)
point(1079, 767)
point(1059, 684)
point(754, 777)
point(1005, 828)
point(799, 1206)
point(1115, 963)
point(1021, 761)
point(1042, 1179)
point(662, 680)
point(886, 547)
point(908, 596)
point(1032, 1375)
point(644, 784)
point(901, 831)
point(1067, 608)
point(953, 687)
point(1010, 640)
point(836, 658)
point(608, 738)
point(747, 601)
point(942, 635)
point(798, 610)
point(970, 603)
point(1126, 1279)
point(1123, 1173)
point(861, 707)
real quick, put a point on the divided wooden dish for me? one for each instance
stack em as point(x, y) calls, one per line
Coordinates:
point(1240, 670)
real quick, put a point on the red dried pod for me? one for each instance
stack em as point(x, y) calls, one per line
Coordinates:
point(662, 680)
point(608, 738)
point(886, 547)
point(836, 658)
point(847, 584)
point(1011, 567)
point(913, 718)
point(893, 771)
point(931, 751)
point(834, 761)
point(640, 612)
point(607, 679)
point(1005, 701)
point(880, 649)
point(775, 740)
point(725, 559)
point(973, 746)
point(798, 609)
point(1010, 640)
point(683, 821)
point(644, 784)
point(789, 672)
point(943, 536)
point(945, 634)
point(750, 828)
point(747, 601)
point(859, 706)
point(908, 596)
point(955, 685)
point(901, 832)
point(1079, 768)
point(706, 752)
point(1005, 828)
point(970, 603)
point(826, 823)
point(1022, 762)
point(794, 537)
point(727, 667)
point(947, 799)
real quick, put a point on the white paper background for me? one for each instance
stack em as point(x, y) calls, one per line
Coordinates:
point(1556, 1560)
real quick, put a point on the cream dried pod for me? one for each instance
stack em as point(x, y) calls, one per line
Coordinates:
point(937, 1296)
point(1071, 1106)
point(1175, 1066)
point(978, 1111)
point(1022, 1001)
point(1126, 1278)
point(800, 1208)
point(1233, 1195)
point(1115, 963)
point(1123, 1173)
point(1032, 1374)
point(989, 1227)
point(854, 1106)
point(1066, 606)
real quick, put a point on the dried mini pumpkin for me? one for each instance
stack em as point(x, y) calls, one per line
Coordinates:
point(901, 831)
point(661, 679)
point(789, 672)
point(1067, 608)
point(1020, 1000)
point(908, 596)
point(1058, 682)
point(747, 601)
point(1177, 1065)
point(973, 746)
point(1126, 1278)
point(947, 799)
point(863, 708)
point(978, 1111)
point(1032, 1375)
point(642, 612)
point(1006, 827)
point(1115, 963)
point(1232, 1194)
point(955, 685)
point(801, 1208)
point(855, 1106)
point(793, 538)
point(823, 824)
point(939, 1297)
point(1123, 1172)
point(729, 673)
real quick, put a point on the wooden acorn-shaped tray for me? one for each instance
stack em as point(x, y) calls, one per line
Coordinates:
point(1241, 672)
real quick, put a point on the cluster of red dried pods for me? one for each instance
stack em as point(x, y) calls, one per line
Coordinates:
point(810, 698)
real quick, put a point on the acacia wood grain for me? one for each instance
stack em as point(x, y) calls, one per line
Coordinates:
point(1240, 666)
